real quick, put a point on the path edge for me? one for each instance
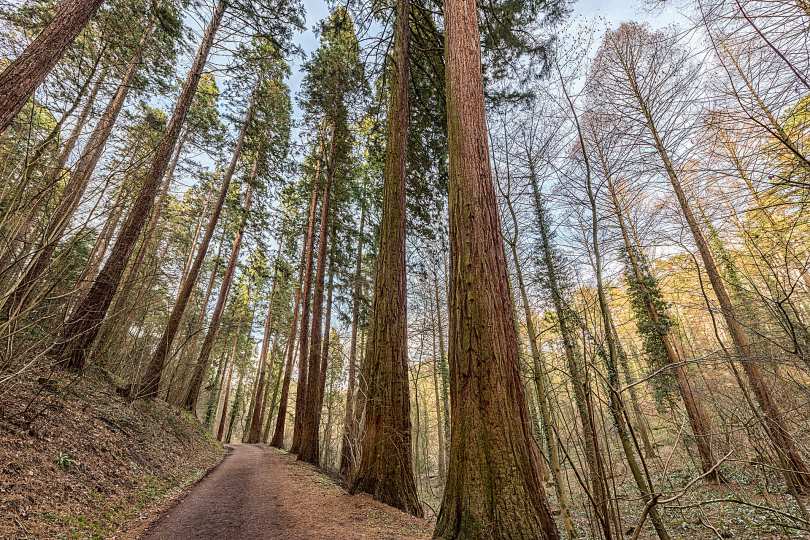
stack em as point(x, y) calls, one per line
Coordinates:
point(137, 528)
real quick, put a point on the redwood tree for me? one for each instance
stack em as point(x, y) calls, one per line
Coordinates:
point(494, 486)
point(22, 77)
point(385, 469)
point(82, 327)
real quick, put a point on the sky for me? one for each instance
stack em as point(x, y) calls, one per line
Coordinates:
point(612, 12)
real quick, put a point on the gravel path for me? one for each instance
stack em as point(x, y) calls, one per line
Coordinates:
point(260, 492)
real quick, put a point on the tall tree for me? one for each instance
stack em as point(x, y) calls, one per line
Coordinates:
point(82, 328)
point(494, 485)
point(638, 65)
point(385, 469)
point(22, 77)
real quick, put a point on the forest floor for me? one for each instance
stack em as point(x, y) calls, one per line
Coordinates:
point(262, 492)
point(79, 461)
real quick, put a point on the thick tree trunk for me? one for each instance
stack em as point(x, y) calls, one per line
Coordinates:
point(310, 451)
point(494, 487)
point(82, 328)
point(22, 77)
point(386, 470)
point(349, 440)
point(150, 382)
point(201, 365)
point(75, 188)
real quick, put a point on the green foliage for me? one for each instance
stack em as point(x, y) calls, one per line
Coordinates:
point(64, 461)
point(645, 292)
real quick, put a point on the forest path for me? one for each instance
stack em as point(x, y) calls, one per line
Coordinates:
point(260, 492)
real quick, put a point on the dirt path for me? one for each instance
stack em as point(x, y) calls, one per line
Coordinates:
point(260, 492)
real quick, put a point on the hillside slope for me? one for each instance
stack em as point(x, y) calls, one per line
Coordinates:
point(79, 461)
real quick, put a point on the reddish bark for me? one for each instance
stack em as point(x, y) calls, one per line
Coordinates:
point(81, 329)
point(289, 354)
point(254, 433)
point(494, 488)
point(303, 340)
point(385, 470)
point(310, 449)
point(22, 77)
point(75, 188)
point(151, 379)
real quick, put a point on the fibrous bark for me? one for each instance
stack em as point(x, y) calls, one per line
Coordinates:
point(494, 487)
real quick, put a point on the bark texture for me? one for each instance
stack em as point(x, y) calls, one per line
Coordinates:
point(310, 450)
point(494, 488)
point(385, 470)
point(303, 339)
point(22, 77)
point(81, 329)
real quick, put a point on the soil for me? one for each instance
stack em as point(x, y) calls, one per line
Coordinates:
point(79, 461)
point(262, 492)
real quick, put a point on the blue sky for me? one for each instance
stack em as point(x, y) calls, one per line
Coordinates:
point(611, 11)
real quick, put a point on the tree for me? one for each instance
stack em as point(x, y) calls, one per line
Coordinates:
point(22, 77)
point(493, 482)
point(385, 469)
point(630, 63)
point(83, 326)
point(270, 95)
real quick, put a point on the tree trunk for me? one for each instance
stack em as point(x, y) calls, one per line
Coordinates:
point(795, 469)
point(151, 380)
point(309, 450)
point(82, 328)
point(232, 362)
point(541, 389)
point(443, 371)
point(303, 339)
point(566, 321)
point(695, 410)
point(611, 356)
point(386, 470)
point(327, 329)
point(494, 488)
point(270, 405)
point(75, 188)
point(200, 367)
point(347, 447)
point(254, 433)
point(22, 77)
point(289, 355)
point(182, 363)
point(439, 415)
